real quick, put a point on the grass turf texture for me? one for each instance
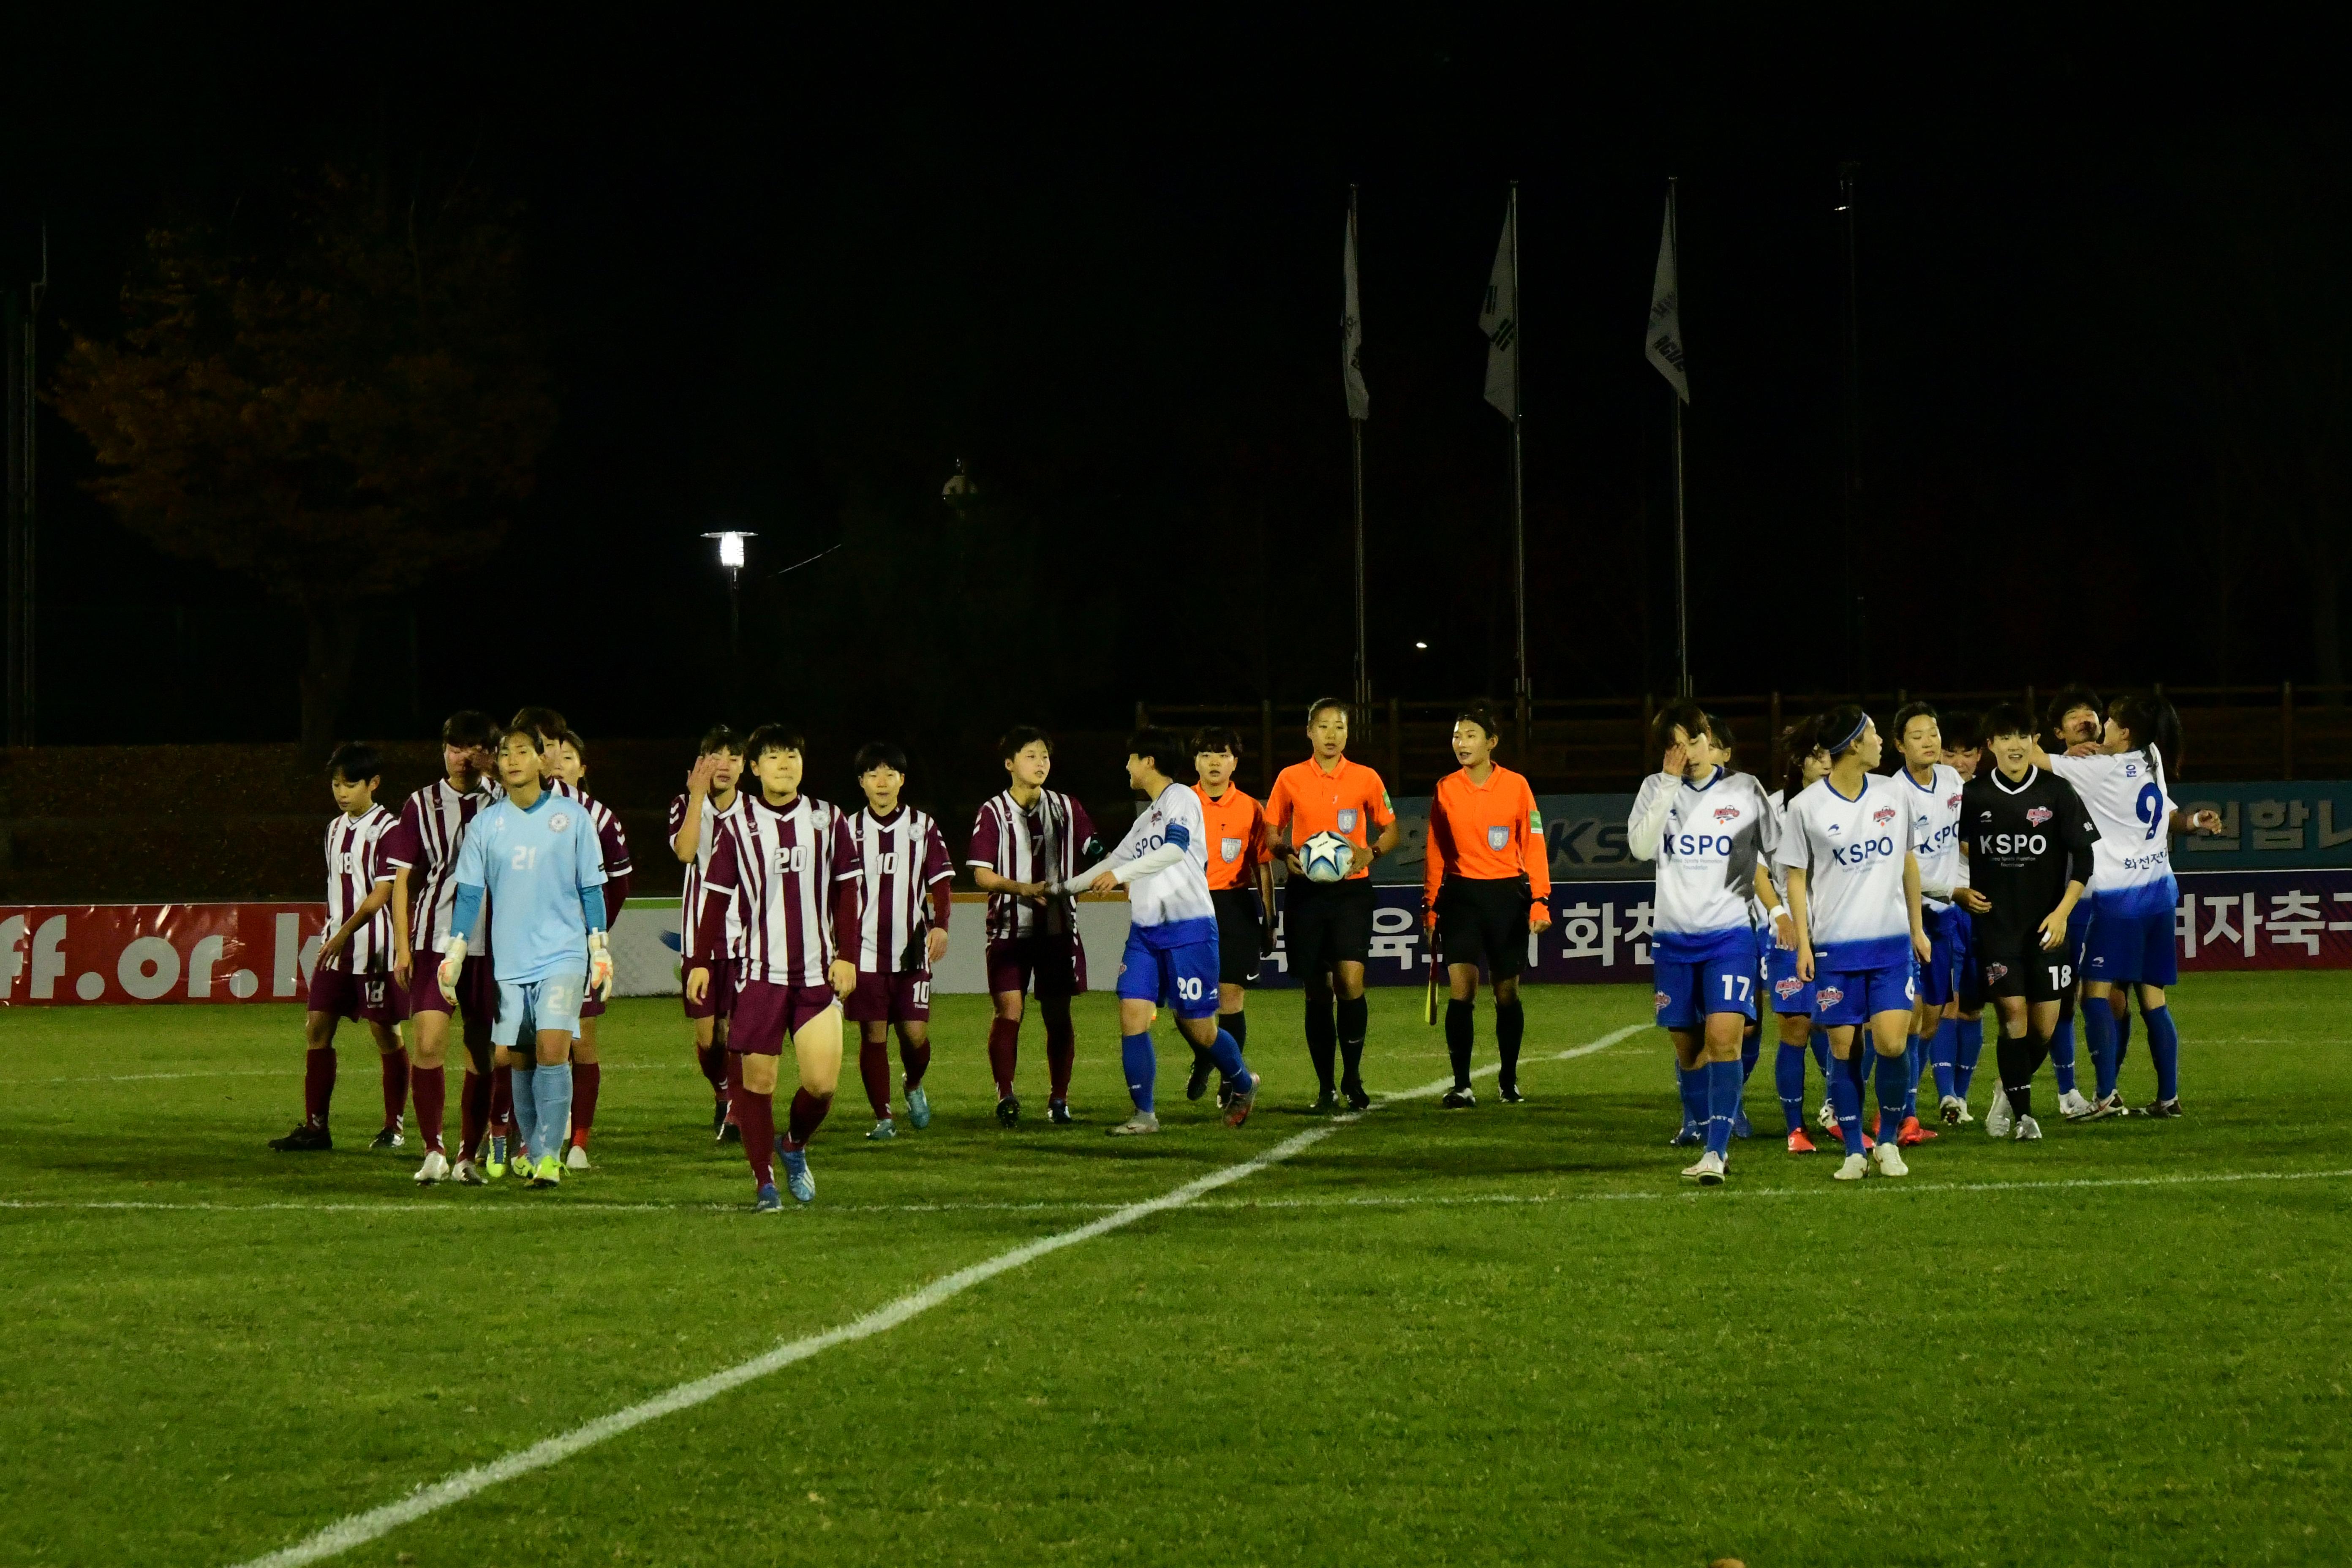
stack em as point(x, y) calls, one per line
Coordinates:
point(1506, 1335)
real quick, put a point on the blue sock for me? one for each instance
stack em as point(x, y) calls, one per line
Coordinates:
point(1237, 1025)
point(2123, 1037)
point(2062, 1055)
point(526, 1112)
point(1227, 1052)
point(1693, 1088)
point(1142, 1065)
point(2099, 1033)
point(1894, 1083)
point(553, 1102)
point(1724, 1082)
point(1845, 1094)
point(1751, 1051)
point(1788, 1081)
point(1915, 1058)
point(1941, 1055)
point(1964, 1064)
point(1820, 1045)
point(2164, 1050)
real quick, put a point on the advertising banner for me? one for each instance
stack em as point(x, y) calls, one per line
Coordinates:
point(159, 952)
point(1586, 834)
point(2267, 826)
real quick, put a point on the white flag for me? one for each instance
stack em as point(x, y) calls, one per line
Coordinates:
point(1499, 319)
point(1663, 343)
point(1351, 332)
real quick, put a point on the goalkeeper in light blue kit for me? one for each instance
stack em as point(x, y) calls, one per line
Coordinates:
point(1172, 934)
point(537, 856)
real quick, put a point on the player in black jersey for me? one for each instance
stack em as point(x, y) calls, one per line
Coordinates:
point(2027, 838)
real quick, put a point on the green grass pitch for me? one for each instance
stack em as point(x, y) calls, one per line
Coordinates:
point(1509, 1334)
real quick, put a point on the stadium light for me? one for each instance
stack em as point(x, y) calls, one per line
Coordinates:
point(730, 560)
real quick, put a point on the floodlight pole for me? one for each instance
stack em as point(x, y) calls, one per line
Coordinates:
point(730, 560)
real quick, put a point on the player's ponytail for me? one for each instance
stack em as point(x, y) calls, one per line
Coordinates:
point(1799, 741)
point(2154, 725)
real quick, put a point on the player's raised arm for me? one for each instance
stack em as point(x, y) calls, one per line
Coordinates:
point(685, 835)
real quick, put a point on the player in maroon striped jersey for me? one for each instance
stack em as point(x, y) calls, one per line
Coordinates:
point(792, 864)
point(1025, 837)
point(567, 761)
point(696, 818)
point(421, 849)
point(353, 978)
point(898, 939)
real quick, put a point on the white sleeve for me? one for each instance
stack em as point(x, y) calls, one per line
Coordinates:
point(1647, 825)
point(1790, 852)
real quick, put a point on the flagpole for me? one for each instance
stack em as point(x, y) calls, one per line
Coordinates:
point(1682, 565)
point(1518, 491)
point(1355, 440)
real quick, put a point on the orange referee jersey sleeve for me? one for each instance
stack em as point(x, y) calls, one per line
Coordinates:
point(1486, 833)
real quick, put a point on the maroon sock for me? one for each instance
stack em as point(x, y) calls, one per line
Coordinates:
point(502, 1100)
point(395, 1085)
point(431, 1088)
point(318, 1084)
point(915, 1056)
point(473, 1115)
point(1004, 1050)
point(756, 1114)
point(874, 1066)
point(735, 1091)
point(1061, 1050)
point(586, 1078)
point(807, 1115)
point(713, 1060)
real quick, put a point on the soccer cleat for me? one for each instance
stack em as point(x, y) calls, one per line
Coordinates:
point(434, 1169)
point(719, 1120)
point(467, 1173)
point(2073, 1105)
point(388, 1138)
point(2027, 1131)
point(307, 1139)
point(1008, 1111)
point(1325, 1103)
point(1058, 1111)
point(919, 1108)
point(1855, 1167)
point(2162, 1110)
point(1508, 1094)
point(497, 1161)
point(1137, 1125)
point(576, 1157)
point(729, 1130)
point(1889, 1159)
point(796, 1174)
point(1799, 1143)
point(548, 1173)
point(1707, 1172)
point(1826, 1117)
point(1739, 1127)
point(883, 1131)
point(1458, 1100)
point(1240, 1102)
point(1913, 1133)
point(2112, 1105)
point(1352, 1091)
point(767, 1200)
point(1953, 1110)
point(1998, 1117)
point(1198, 1084)
point(1690, 1137)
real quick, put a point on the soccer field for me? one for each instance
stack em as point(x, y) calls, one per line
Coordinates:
point(1508, 1334)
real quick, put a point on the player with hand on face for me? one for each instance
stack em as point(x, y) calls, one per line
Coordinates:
point(565, 756)
point(354, 975)
point(1712, 833)
point(1172, 934)
point(1241, 885)
point(791, 863)
point(902, 931)
point(1933, 793)
point(697, 820)
point(1486, 885)
point(1853, 893)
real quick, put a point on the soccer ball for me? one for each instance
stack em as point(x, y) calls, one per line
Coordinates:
point(1325, 857)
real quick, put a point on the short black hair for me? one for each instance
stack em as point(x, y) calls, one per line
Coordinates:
point(880, 754)
point(1841, 728)
point(2008, 719)
point(1797, 742)
point(772, 738)
point(1164, 747)
point(718, 738)
point(468, 727)
point(354, 762)
point(2154, 725)
point(572, 739)
point(1217, 738)
point(509, 732)
point(1315, 709)
point(2068, 699)
point(1479, 713)
point(544, 723)
point(1963, 732)
point(1915, 710)
point(1688, 716)
point(1009, 744)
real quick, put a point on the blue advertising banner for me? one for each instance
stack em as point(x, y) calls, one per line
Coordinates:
point(2268, 826)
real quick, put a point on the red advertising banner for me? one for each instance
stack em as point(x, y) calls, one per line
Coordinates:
point(57, 956)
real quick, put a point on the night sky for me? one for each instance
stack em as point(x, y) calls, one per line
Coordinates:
point(787, 277)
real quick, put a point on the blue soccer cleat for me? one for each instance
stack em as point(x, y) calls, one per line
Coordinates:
point(767, 1202)
point(919, 1110)
point(1690, 1137)
point(797, 1177)
point(1739, 1128)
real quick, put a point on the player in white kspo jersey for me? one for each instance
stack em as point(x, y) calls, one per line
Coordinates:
point(1932, 792)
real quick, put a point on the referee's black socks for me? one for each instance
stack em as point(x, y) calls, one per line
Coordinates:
point(1322, 1037)
point(1353, 1013)
point(1458, 1017)
point(1510, 1028)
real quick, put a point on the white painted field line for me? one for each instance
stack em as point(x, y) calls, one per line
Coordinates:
point(1438, 1086)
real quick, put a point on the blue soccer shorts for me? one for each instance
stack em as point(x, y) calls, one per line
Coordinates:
point(2078, 933)
point(531, 1007)
point(2134, 947)
point(1184, 975)
point(1790, 996)
point(1858, 995)
point(1688, 993)
point(1968, 972)
point(1937, 982)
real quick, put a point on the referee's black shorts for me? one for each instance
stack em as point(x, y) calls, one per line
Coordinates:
point(1237, 935)
point(1485, 920)
point(1324, 924)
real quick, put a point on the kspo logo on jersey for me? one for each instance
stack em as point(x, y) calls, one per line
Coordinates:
point(2012, 844)
point(1862, 852)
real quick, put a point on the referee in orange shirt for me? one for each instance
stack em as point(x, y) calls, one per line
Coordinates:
point(1328, 926)
point(1241, 886)
point(1486, 883)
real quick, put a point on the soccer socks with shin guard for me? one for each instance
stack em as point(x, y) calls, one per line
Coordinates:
point(1354, 1015)
point(2163, 1051)
point(1510, 1030)
point(1142, 1063)
point(1788, 1082)
point(2099, 1033)
point(395, 1065)
point(1943, 1057)
point(473, 1114)
point(318, 1084)
point(553, 1108)
point(523, 1113)
point(1692, 1082)
point(807, 1115)
point(2122, 1036)
point(1237, 1025)
point(1969, 1047)
point(1459, 1021)
point(1819, 1043)
point(2060, 1049)
point(587, 1079)
point(1895, 1085)
point(1322, 1038)
point(1004, 1053)
point(874, 1071)
point(1915, 1058)
point(1227, 1052)
point(914, 1061)
point(1751, 1051)
point(1845, 1097)
point(430, 1086)
point(1724, 1082)
point(756, 1115)
point(1061, 1047)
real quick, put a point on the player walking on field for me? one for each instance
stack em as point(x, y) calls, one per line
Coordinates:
point(1025, 838)
point(1241, 886)
point(1172, 933)
point(1853, 894)
point(566, 755)
point(534, 857)
point(697, 818)
point(901, 932)
point(1328, 926)
point(421, 848)
point(2076, 717)
point(1933, 797)
point(790, 864)
point(354, 975)
point(1963, 752)
point(1712, 833)
point(1486, 885)
point(1792, 1000)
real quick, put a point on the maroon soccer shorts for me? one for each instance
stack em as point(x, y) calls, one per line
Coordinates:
point(372, 998)
point(719, 1000)
point(477, 989)
point(891, 998)
point(767, 1014)
point(1055, 965)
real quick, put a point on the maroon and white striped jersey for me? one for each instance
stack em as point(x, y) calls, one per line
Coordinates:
point(715, 823)
point(1040, 844)
point(424, 842)
point(612, 840)
point(903, 857)
point(354, 866)
point(793, 874)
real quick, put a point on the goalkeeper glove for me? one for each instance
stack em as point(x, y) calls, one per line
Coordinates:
point(599, 967)
point(453, 963)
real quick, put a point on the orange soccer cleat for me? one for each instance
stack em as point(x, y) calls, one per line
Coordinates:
point(1799, 1143)
point(1913, 1133)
